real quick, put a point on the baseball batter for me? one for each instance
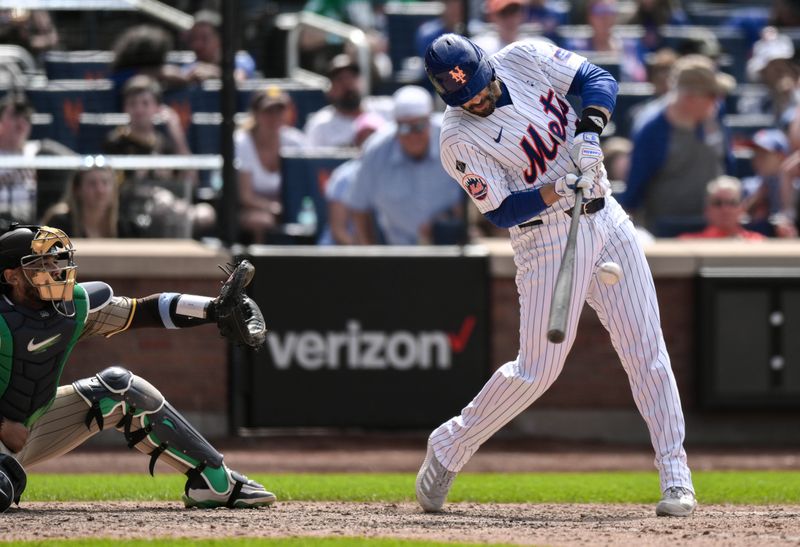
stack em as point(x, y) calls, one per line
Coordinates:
point(44, 312)
point(513, 142)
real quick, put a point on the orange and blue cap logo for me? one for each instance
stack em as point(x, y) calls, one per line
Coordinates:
point(458, 75)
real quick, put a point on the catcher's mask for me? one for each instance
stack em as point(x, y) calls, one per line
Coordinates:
point(50, 267)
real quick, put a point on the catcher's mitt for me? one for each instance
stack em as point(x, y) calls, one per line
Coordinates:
point(239, 318)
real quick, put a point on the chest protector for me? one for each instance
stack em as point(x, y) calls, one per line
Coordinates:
point(34, 345)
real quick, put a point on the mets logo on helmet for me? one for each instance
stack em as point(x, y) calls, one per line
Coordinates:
point(475, 185)
point(458, 75)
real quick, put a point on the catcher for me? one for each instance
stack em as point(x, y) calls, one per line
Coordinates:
point(44, 313)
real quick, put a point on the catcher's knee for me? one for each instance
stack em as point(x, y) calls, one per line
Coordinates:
point(117, 388)
point(12, 481)
point(146, 416)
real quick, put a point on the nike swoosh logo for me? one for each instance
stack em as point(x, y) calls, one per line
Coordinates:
point(33, 347)
point(497, 140)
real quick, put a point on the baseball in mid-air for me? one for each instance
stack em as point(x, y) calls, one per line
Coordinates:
point(609, 273)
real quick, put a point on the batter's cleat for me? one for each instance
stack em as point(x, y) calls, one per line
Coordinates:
point(677, 501)
point(242, 493)
point(433, 483)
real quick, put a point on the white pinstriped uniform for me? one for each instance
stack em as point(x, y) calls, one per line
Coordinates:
point(538, 75)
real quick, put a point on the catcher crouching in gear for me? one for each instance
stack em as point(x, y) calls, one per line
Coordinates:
point(44, 312)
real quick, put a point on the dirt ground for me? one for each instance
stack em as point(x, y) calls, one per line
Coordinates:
point(519, 524)
point(539, 524)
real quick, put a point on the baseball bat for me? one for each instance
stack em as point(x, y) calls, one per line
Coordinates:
point(562, 294)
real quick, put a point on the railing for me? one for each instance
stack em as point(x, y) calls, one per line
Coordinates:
point(200, 162)
point(294, 24)
point(158, 10)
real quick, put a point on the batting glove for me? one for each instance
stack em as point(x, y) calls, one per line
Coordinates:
point(585, 151)
point(565, 186)
point(594, 183)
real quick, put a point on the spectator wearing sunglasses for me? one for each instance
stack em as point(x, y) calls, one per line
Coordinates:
point(401, 185)
point(724, 212)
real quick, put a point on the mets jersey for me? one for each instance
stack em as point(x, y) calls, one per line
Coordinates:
point(521, 145)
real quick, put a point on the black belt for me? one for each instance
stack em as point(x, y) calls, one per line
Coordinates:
point(589, 207)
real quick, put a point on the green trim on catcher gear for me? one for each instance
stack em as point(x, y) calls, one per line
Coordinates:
point(215, 476)
point(6, 359)
point(242, 493)
point(81, 302)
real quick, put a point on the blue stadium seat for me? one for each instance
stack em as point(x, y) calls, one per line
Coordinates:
point(94, 128)
point(743, 126)
point(744, 162)
point(42, 126)
point(78, 65)
point(66, 100)
point(306, 173)
point(402, 22)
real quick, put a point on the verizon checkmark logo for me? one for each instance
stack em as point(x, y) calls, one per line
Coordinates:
point(38, 347)
point(357, 348)
point(459, 340)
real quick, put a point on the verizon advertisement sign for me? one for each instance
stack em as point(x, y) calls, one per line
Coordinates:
point(356, 348)
point(365, 341)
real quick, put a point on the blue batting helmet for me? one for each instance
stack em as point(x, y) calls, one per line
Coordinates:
point(457, 68)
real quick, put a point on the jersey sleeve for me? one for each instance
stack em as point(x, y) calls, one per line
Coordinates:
point(111, 319)
point(479, 175)
point(558, 65)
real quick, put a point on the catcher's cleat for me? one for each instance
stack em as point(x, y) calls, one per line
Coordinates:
point(433, 483)
point(242, 493)
point(677, 501)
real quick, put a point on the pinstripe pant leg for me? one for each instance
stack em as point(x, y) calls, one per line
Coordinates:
point(517, 384)
point(59, 430)
point(63, 427)
point(629, 311)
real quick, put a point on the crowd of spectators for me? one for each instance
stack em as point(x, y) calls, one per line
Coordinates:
point(677, 163)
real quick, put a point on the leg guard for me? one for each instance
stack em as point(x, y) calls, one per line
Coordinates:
point(12, 481)
point(143, 405)
point(151, 425)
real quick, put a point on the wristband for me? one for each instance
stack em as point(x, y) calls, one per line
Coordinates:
point(592, 120)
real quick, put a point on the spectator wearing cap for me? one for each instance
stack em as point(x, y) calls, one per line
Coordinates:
point(205, 41)
point(334, 124)
point(401, 184)
point(679, 150)
point(17, 186)
point(773, 65)
point(340, 229)
point(724, 212)
point(765, 192)
point(258, 145)
point(507, 17)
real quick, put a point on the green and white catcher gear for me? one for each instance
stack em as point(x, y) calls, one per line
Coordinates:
point(151, 425)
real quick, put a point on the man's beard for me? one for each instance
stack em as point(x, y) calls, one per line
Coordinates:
point(32, 295)
point(489, 105)
point(349, 102)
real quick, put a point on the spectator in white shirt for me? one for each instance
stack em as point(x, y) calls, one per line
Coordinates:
point(258, 145)
point(334, 125)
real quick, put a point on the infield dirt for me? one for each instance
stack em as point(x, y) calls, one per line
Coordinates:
point(539, 524)
point(544, 524)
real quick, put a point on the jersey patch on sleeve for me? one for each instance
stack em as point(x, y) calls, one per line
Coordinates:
point(562, 54)
point(461, 166)
point(475, 185)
